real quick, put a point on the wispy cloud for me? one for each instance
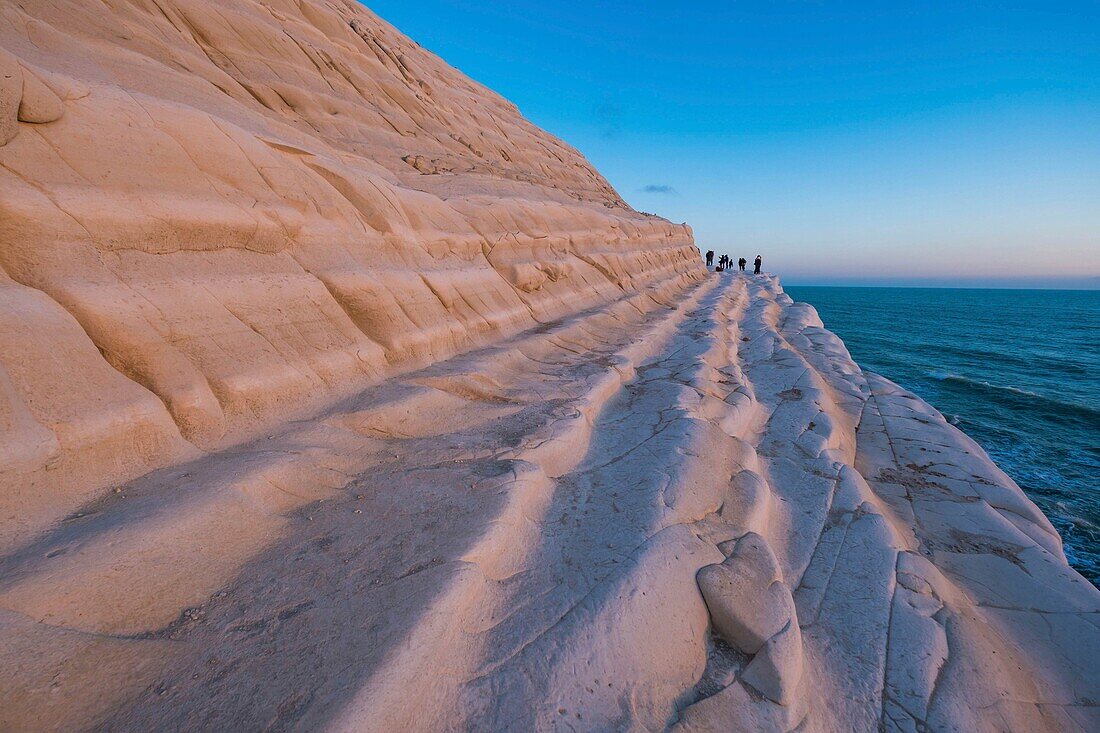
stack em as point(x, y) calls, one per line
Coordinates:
point(659, 188)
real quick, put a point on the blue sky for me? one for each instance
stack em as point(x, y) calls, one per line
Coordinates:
point(847, 142)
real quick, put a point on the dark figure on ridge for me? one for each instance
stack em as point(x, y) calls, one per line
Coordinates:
point(756, 266)
point(710, 257)
point(741, 263)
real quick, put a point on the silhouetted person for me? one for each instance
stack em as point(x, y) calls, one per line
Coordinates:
point(756, 266)
point(741, 263)
point(710, 257)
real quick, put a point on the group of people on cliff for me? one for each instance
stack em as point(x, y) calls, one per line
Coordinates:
point(725, 262)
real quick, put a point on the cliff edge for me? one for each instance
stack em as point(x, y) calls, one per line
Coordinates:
point(334, 395)
point(696, 515)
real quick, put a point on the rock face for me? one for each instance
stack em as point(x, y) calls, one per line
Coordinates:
point(218, 215)
point(334, 395)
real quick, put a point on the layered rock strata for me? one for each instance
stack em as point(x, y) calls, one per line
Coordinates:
point(681, 510)
point(334, 395)
point(218, 215)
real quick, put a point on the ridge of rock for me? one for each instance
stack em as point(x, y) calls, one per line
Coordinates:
point(220, 215)
point(334, 395)
point(685, 510)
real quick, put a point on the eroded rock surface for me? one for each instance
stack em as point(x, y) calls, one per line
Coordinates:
point(612, 521)
point(216, 216)
point(335, 395)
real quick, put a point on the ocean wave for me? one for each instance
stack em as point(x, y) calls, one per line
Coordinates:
point(987, 353)
point(951, 377)
point(1073, 407)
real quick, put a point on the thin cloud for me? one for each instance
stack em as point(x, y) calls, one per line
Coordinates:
point(659, 188)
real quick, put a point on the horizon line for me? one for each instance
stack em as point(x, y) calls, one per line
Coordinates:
point(960, 285)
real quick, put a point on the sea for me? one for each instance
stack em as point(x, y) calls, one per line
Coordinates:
point(1016, 370)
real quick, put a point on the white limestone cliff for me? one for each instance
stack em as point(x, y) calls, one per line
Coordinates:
point(218, 215)
point(335, 395)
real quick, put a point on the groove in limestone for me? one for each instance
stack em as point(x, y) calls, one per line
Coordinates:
point(512, 539)
point(99, 573)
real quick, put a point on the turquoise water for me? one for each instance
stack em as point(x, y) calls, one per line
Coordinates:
point(1017, 370)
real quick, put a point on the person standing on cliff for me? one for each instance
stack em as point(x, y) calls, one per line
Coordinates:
point(756, 266)
point(741, 263)
point(710, 257)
